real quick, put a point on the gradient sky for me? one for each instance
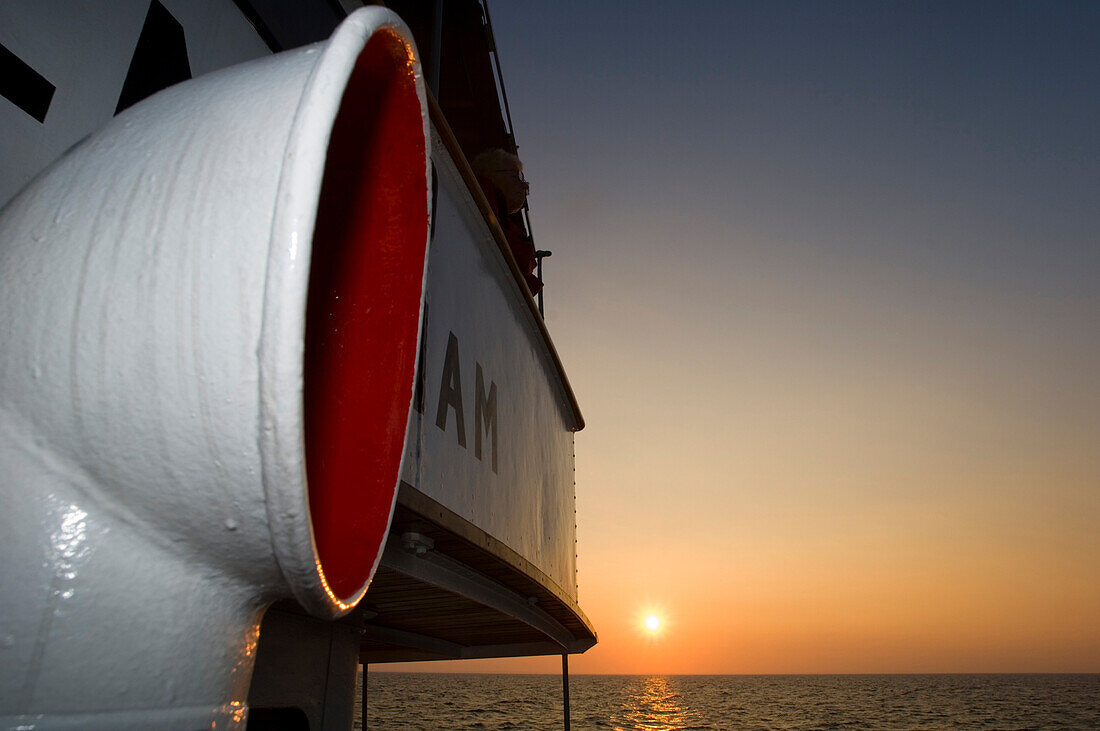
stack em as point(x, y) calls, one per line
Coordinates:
point(826, 280)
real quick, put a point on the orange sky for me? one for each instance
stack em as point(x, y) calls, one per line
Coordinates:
point(802, 499)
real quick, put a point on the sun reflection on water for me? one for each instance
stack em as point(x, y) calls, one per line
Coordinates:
point(653, 704)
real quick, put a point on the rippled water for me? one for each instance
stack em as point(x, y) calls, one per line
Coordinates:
point(1003, 702)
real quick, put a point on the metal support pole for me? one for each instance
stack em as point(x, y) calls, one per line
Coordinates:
point(364, 692)
point(565, 686)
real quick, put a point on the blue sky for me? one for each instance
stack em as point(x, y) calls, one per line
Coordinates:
point(957, 142)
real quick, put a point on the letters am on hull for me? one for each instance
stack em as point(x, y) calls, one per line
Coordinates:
point(169, 447)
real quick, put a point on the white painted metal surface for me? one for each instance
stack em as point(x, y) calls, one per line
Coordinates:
point(501, 380)
point(84, 49)
point(151, 460)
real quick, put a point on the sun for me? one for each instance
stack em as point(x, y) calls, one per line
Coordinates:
point(651, 622)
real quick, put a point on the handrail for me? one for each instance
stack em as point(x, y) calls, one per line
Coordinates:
point(507, 116)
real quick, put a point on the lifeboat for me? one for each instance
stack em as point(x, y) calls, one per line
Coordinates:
point(277, 400)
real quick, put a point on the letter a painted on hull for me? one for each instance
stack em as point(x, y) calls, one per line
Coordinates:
point(450, 391)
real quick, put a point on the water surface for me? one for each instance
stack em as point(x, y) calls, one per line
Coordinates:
point(658, 703)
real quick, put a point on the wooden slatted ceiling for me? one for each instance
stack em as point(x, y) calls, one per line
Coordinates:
point(410, 605)
point(399, 602)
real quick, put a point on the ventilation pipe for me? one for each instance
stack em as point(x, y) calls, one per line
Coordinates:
point(209, 313)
